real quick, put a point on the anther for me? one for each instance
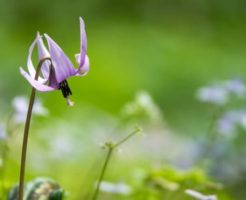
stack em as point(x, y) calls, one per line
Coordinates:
point(66, 92)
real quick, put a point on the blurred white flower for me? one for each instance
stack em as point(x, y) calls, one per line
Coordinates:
point(214, 94)
point(219, 93)
point(20, 105)
point(236, 86)
point(116, 188)
point(63, 147)
point(200, 196)
point(2, 132)
point(243, 121)
point(226, 126)
point(231, 120)
point(143, 107)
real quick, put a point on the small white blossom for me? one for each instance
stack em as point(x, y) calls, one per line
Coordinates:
point(236, 86)
point(214, 94)
point(230, 121)
point(243, 121)
point(200, 196)
point(226, 126)
point(116, 188)
point(2, 133)
point(62, 147)
point(20, 105)
point(143, 107)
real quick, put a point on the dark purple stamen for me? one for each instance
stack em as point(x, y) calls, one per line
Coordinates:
point(63, 86)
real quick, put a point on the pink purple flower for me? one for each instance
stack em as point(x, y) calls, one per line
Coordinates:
point(56, 69)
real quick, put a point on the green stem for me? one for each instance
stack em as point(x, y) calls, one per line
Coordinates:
point(111, 148)
point(110, 151)
point(26, 133)
point(127, 138)
point(210, 134)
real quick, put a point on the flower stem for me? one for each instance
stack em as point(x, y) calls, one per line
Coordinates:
point(26, 133)
point(210, 135)
point(111, 146)
point(110, 151)
point(137, 130)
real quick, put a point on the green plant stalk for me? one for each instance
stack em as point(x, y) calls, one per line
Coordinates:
point(26, 133)
point(210, 135)
point(111, 148)
point(126, 138)
point(110, 151)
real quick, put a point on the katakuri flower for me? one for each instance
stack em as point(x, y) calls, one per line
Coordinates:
point(56, 66)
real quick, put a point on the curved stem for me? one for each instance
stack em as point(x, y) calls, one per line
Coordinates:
point(26, 131)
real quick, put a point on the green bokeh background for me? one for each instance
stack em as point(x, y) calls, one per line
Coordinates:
point(166, 47)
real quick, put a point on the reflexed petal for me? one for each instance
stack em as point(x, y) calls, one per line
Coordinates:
point(83, 43)
point(36, 84)
point(31, 69)
point(85, 68)
point(62, 65)
point(43, 53)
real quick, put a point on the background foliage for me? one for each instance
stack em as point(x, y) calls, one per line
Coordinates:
point(167, 48)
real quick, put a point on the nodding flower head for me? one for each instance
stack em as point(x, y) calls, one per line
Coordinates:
point(56, 67)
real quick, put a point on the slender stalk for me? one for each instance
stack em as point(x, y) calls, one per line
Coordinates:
point(26, 133)
point(111, 147)
point(210, 135)
point(127, 138)
point(105, 165)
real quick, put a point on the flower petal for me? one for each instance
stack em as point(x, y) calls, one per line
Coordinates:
point(83, 70)
point(30, 66)
point(43, 53)
point(36, 84)
point(62, 65)
point(83, 44)
point(31, 69)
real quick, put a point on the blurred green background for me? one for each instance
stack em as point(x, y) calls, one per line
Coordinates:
point(166, 47)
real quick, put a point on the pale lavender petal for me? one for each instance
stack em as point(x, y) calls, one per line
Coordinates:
point(43, 53)
point(85, 68)
point(52, 79)
point(36, 84)
point(30, 66)
point(63, 67)
point(83, 43)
